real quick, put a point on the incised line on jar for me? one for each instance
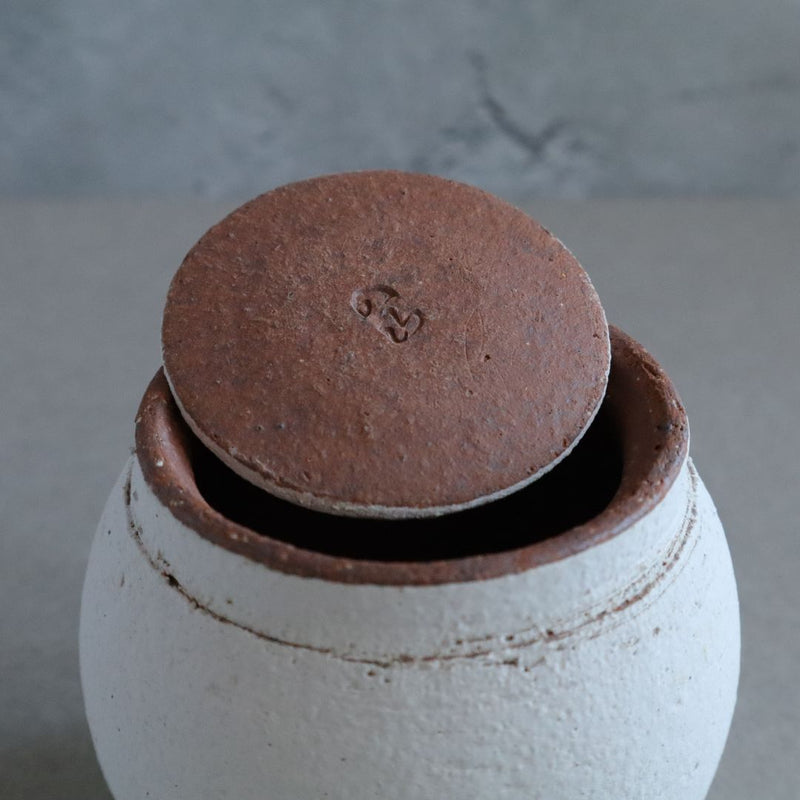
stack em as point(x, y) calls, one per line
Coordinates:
point(602, 617)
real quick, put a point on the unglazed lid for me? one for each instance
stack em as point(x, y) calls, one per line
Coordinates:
point(385, 344)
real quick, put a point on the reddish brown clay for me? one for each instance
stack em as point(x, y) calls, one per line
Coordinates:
point(385, 344)
point(648, 428)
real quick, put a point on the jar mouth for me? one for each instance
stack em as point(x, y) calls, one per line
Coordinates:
point(622, 468)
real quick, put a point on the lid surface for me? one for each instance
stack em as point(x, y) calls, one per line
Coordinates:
point(385, 344)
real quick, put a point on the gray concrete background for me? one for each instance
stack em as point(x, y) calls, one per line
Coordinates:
point(562, 98)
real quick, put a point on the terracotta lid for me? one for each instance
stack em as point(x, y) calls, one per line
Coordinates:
point(385, 344)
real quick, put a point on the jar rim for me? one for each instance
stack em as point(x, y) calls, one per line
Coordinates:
point(642, 401)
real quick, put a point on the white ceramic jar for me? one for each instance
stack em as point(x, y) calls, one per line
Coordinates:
point(598, 662)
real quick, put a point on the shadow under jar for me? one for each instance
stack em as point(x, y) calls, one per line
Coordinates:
point(579, 638)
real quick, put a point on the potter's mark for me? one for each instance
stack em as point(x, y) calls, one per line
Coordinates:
point(385, 310)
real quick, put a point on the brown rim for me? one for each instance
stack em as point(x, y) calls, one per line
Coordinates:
point(653, 437)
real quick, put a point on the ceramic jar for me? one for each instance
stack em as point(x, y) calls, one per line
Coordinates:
point(596, 660)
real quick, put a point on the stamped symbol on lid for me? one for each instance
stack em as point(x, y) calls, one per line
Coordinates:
point(383, 307)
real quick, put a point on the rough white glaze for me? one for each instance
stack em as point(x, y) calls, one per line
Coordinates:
point(608, 674)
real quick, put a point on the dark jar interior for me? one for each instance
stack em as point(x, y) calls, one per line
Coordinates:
point(622, 468)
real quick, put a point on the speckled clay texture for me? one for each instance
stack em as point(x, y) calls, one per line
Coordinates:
point(385, 344)
point(607, 672)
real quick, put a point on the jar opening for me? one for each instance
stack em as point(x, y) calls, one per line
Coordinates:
point(571, 494)
point(623, 466)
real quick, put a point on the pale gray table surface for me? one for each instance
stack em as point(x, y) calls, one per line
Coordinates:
point(712, 288)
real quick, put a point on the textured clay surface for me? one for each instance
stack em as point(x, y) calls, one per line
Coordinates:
point(385, 344)
point(641, 406)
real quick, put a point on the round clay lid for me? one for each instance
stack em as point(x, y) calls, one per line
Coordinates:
point(385, 344)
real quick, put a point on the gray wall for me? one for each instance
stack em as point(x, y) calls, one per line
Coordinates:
point(558, 97)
